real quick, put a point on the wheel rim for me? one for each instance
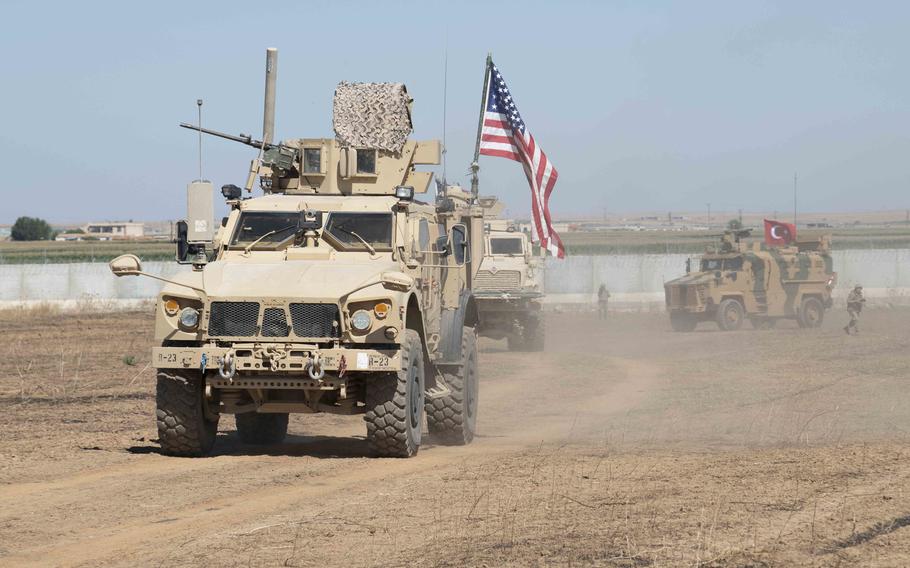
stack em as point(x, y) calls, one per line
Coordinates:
point(732, 315)
point(812, 315)
point(415, 402)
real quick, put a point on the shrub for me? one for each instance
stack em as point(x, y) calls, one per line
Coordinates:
point(31, 229)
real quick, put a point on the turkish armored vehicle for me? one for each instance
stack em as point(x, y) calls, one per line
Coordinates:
point(507, 287)
point(336, 291)
point(740, 280)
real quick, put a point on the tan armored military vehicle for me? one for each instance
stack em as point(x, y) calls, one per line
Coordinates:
point(740, 280)
point(507, 287)
point(335, 291)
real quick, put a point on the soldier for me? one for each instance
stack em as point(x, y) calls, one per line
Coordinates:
point(603, 296)
point(855, 301)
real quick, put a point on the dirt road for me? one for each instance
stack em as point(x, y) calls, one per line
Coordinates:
point(622, 445)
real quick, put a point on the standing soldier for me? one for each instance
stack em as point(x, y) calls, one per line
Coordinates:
point(855, 301)
point(603, 296)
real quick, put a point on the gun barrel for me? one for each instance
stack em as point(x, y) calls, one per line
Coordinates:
point(248, 140)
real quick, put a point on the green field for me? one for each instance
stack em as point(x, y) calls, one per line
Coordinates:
point(58, 252)
point(577, 243)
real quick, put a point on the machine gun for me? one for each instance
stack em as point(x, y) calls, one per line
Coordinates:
point(275, 156)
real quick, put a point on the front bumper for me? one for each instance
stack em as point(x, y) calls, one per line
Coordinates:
point(278, 358)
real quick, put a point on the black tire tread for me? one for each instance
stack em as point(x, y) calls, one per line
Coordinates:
point(387, 405)
point(183, 429)
point(446, 416)
point(261, 429)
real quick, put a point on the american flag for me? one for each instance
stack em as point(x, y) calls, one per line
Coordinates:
point(505, 135)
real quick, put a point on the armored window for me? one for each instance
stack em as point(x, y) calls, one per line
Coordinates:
point(709, 264)
point(272, 228)
point(366, 161)
point(509, 245)
point(312, 160)
point(350, 230)
point(733, 263)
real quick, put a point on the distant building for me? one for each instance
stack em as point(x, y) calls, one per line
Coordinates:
point(4, 233)
point(104, 231)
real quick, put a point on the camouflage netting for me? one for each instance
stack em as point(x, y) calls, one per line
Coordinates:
point(372, 115)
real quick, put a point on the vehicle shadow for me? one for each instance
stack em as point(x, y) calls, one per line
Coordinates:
point(322, 447)
point(229, 444)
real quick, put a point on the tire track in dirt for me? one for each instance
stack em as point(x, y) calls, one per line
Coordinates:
point(225, 497)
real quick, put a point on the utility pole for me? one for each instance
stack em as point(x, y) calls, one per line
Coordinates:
point(709, 212)
point(794, 199)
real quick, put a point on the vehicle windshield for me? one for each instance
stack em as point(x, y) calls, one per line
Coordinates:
point(711, 264)
point(255, 225)
point(505, 245)
point(349, 228)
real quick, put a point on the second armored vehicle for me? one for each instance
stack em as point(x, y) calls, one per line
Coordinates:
point(740, 281)
point(507, 287)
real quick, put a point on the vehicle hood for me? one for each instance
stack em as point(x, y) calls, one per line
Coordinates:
point(299, 279)
point(693, 278)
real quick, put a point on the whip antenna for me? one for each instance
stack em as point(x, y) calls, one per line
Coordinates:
point(445, 92)
point(199, 106)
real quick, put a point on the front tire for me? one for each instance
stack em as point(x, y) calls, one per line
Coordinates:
point(811, 313)
point(452, 419)
point(395, 403)
point(730, 315)
point(261, 429)
point(184, 428)
point(535, 334)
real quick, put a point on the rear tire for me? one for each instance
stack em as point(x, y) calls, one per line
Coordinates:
point(395, 403)
point(811, 313)
point(183, 427)
point(261, 429)
point(730, 315)
point(452, 419)
point(535, 334)
point(682, 322)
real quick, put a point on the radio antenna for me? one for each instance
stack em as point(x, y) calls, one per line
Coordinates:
point(445, 92)
point(199, 107)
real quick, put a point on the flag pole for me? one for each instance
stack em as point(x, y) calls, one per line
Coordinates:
point(475, 165)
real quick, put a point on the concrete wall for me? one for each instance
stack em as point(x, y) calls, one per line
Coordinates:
point(638, 279)
point(633, 280)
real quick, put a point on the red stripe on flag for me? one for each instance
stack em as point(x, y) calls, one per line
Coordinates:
point(500, 154)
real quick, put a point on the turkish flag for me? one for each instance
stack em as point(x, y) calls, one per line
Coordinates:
point(778, 233)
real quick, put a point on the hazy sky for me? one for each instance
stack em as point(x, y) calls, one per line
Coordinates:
point(640, 105)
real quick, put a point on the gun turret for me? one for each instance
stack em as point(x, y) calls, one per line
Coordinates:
point(275, 156)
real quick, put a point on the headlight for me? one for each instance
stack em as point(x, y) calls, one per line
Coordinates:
point(189, 317)
point(361, 320)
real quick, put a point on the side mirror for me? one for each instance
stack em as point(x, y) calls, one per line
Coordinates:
point(183, 246)
point(460, 244)
point(126, 265)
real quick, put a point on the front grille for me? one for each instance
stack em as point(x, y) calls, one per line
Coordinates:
point(502, 280)
point(315, 320)
point(233, 319)
point(274, 323)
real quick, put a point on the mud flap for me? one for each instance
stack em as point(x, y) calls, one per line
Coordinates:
point(452, 323)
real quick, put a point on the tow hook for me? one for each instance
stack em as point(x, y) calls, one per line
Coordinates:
point(228, 367)
point(315, 369)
